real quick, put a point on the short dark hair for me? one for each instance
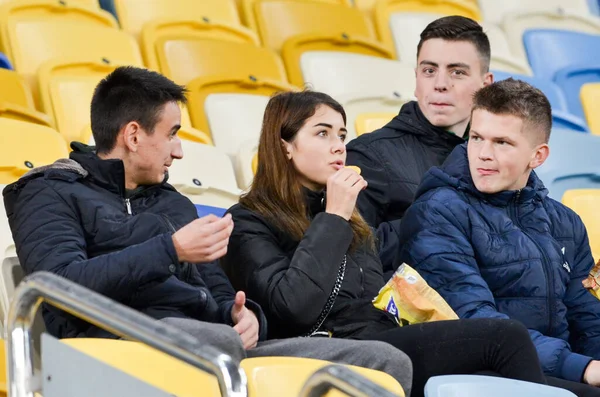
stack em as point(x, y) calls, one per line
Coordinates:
point(130, 94)
point(457, 28)
point(517, 98)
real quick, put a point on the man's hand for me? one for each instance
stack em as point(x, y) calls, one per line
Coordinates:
point(203, 240)
point(246, 323)
point(591, 376)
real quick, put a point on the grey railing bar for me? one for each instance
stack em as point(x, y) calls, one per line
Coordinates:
point(111, 316)
point(343, 379)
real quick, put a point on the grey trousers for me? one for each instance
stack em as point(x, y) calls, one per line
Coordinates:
point(368, 354)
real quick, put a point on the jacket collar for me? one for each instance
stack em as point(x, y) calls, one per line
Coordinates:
point(108, 174)
point(315, 201)
point(455, 173)
point(412, 120)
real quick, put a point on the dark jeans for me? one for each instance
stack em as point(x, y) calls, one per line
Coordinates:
point(466, 347)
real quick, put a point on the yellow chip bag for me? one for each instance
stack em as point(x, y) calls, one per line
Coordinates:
point(592, 282)
point(409, 298)
point(355, 168)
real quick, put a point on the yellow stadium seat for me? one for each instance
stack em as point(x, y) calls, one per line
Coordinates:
point(590, 100)
point(33, 146)
point(279, 20)
point(369, 122)
point(20, 14)
point(248, 10)
point(149, 365)
point(35, 39)
point(516, 23)
point(268, 376)
point(14, 89)
point(16, 112)
point(246, 163)
point(199, 89)
point(193, 49)
point(133, 15)
point(66, 90)
point(384, 9)
point(585, 202)
point(285, 376)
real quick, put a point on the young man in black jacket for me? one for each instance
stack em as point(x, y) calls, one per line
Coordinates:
point(453, 60)
point(106, 219)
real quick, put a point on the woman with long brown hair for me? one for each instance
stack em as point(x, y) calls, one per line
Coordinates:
point(301, 250)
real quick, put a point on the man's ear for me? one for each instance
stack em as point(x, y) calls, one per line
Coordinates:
point(488, 79)
point(287, 147)
point(540, 155)
point(130, 134)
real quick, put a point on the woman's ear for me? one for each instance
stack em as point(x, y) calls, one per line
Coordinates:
point(287, 148)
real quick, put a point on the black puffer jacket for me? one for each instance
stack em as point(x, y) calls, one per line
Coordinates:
point(393, 161)
point(72, 219)
point(292, 280)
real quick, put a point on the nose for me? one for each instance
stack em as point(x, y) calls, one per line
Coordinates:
point(338, 146)
point(486, 151)
point(177, 150)
point(441, 82)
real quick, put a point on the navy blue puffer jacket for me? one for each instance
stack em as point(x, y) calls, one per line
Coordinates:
point(516, 254)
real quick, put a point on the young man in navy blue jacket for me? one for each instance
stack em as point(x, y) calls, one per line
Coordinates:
point(484, 234)
point(107, 219)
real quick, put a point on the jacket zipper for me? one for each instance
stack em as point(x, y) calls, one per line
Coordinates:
point(128, 206)
point(545, 264)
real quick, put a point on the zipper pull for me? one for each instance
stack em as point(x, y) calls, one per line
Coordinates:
point(128, 205)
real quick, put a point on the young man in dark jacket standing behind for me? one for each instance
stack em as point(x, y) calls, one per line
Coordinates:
point(106, 219)
point(453, 60)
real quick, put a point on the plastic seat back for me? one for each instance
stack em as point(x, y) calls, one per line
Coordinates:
point(585, 202)
point(590, 100)
point(360, 83)
point(385, 9)
point(33, 146)
point(494, 11)
point(205, 175)
point(133, 15)
point(572, 164)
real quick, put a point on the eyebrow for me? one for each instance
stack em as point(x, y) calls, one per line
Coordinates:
point(175, 128)
point(329, 126)
point(450, 65)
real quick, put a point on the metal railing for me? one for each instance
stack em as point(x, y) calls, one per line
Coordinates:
point(343, 379)
point(111, 316)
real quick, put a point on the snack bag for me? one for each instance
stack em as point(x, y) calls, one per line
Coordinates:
point(592, 282)
point(355, 168)
point(409, 298)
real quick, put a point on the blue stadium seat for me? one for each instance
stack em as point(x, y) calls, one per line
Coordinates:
point(561, 117)
point(204, 210)
point(594, 6)
point(4, 62)
point(549, 50)
point(571, 78)
point(573, 163)
point(489, 386)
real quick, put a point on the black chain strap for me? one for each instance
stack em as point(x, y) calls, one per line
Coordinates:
point(330, 300)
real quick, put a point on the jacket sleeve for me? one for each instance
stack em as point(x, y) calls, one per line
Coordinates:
point(372, 202)
point(49, 237)
point(438, 245)
point(583, 309)
point(292, 287)
point(220, 288)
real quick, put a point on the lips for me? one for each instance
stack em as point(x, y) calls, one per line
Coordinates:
point(339, 164)
point(486, 171)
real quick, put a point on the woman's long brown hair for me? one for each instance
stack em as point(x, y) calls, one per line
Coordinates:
point(276, 192)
